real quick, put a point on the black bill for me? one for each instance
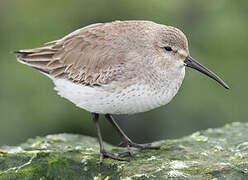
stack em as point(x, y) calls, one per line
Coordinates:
point(190, 62)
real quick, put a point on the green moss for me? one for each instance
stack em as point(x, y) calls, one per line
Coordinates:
point(214, 153)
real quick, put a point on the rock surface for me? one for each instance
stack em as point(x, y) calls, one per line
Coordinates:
point(212, 154)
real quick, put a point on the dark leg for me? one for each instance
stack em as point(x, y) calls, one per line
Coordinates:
point(126, 141)
point(103, 152)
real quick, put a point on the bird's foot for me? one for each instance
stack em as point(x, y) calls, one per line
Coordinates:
point(140, 146)
point(116, 156)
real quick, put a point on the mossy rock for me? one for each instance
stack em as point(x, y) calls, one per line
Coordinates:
point(215, 153)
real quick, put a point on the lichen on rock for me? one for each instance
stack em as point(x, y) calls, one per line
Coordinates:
point(214, 153)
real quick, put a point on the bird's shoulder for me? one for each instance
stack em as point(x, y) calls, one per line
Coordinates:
point(88, 55)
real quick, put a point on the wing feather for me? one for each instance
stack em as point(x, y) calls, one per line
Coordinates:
point(84, 56)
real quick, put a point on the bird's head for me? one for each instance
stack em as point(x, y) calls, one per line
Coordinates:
point(174, 47)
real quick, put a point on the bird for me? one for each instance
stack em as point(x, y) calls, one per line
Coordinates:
point(118, 67)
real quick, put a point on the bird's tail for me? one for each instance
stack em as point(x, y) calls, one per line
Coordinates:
point(38, 58)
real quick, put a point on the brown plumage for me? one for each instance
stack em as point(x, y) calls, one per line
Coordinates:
point(95, 54)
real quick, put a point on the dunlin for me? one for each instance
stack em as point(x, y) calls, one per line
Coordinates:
point(120, 67)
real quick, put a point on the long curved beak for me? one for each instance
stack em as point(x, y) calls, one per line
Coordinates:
point(190, 62)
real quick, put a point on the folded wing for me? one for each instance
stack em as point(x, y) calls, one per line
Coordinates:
point(84, 56)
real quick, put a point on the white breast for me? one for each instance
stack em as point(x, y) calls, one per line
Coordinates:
point(132, 99)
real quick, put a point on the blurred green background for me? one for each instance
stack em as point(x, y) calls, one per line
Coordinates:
point(217, 32)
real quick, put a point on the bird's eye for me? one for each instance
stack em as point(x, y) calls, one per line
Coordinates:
point(168, 48)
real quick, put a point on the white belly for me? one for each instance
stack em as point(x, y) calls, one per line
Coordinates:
point(133, 99)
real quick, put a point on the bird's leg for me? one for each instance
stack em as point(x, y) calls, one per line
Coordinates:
point(126, 141)
point(103, 152)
